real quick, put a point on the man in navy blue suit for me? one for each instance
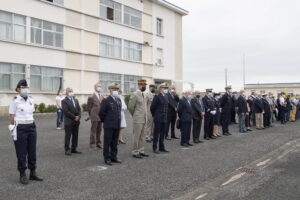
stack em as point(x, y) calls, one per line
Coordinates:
point(110, 115)
point(210, 111)
point(185, 116)
point(159, 111)
point(226, 105)
point(172, 112)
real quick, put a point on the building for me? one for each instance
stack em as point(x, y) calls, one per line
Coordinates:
point(275, 88)
point(76, 43)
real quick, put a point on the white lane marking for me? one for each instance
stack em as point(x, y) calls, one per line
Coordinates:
point(201, 196)
point(185, 148)
point(234, 178)
point(263, 162)
point(97, 168)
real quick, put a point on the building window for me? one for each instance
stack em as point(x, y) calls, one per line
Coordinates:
point(132, 51)
point(110, 46)
point(159, 59)
point(46, 79)
point(60, 2)
point(130, 83)
point(108, 78)
point(132, 17)
point(262, 92)
point(12, 26)
point(10, 74)
point(110, 10)
point(159, 26)
point(46, 33)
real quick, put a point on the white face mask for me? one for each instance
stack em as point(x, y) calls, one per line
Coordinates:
point(99, 89)
point(61, 94)
point(173, 90)
point(115, 93)
point(24, 92)
point(71, 94)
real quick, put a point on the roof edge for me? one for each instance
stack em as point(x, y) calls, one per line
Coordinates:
point(173, 7)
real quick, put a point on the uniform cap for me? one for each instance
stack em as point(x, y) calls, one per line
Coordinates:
point(114, 86)
point(152, 85)
point(228, 87)
point(209, 90)
point(142, 82)
point(163, 85)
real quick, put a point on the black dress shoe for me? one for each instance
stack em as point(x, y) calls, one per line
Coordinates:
point(108, 162)
point(116, 161)
point(190, 144)
point(229, 133)
point(99, 146)
point(206, 138)
point(23, 178)
point(68, 153)
point(75, 151)
point(34, 177)
point(196, 142)
point(212, 137)
point(167, 138)
point(174, 137)
point(144, 154)
point(185, 145)
point(155, 151)
point(164, 151)
point(137, 156)
point(249, 129)
point(199, 141)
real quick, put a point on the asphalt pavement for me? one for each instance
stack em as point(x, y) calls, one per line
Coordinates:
point(181, 174)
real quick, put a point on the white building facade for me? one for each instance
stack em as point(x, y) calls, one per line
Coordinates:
point(77, 43)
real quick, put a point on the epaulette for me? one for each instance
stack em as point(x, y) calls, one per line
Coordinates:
point(15, 97)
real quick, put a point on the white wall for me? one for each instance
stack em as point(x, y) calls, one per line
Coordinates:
point(120, 67)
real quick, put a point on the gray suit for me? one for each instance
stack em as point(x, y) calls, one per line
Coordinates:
point(138, 109)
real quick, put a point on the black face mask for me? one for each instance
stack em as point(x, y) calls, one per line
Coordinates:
point(198, 96)
point(152, 91)
point(143, 89)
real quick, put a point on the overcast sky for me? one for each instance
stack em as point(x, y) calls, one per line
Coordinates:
point(216, 33)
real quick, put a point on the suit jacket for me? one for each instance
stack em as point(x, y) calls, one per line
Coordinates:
point(70, 112)
point(173, 103)
point(209, 104)
point(159, 108)
point(266, 106)
point(258, 105)
point(137, 107)
point(110, 112)
point(226, 103)
point(185, 110)
point(242, 105)
point(149, 99)
point(93, 106)
point(197, 109)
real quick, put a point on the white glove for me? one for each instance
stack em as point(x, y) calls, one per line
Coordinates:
point(213, 112)
point(13, 131)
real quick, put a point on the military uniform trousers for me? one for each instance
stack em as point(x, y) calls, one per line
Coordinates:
point(149, 128)
point(225, 121)
point(208, 125)
point(139, 137)
point(159, 135)
point(26, 146)
point(185, 129)
point(96, 127)
point(110, 147)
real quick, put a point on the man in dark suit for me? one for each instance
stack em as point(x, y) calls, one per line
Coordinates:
point(159, 111)
point(185, 116)
point(267, 111)
point(72, 115)
point(198, 115)
point(210, 111)
point(172, 112)
point(226, 105)
point(242, 111)
point(110, 115)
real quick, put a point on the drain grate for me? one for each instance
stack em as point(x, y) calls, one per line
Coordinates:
point(249, 170)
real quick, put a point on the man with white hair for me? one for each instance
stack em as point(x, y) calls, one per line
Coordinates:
point(185, 116)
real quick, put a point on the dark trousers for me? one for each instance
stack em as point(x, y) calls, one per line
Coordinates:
point(26, 146)
point(110, 147)
point(196, 129)
point(267, 119)
point(225, 120)
point(247, 121)
point(185, 129)
point(208, 125)
point(159, 135)
point(60, 117)
point(171, 120)
point(95, 132)
point(71, 131)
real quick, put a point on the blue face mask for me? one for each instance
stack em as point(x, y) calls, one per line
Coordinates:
point(71, 94)
point(166, 91)
point(24, 92)
point(99, 89)
point(115, 93)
